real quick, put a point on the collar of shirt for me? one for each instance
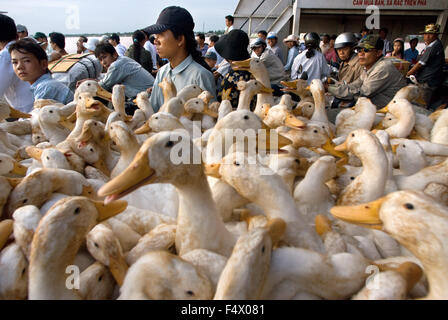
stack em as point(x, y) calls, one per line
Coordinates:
point(374, 65)
point(181, 67)
point(42, 78)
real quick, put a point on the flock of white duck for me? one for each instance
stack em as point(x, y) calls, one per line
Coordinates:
point(308, 219)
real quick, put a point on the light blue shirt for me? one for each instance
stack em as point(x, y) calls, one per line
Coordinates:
point(131, 74)
point(292, 53)
point(186, 73)
point(47, 88)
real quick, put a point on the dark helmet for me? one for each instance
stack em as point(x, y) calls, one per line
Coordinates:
point(346, 39)
point(312, 39)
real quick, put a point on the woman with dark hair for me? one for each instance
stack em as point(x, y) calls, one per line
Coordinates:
point(16, 92)
point(57, 42)
point(398, 51)
point(137, 52)
point(30, 64)
point(175, 41)
point(311, 60)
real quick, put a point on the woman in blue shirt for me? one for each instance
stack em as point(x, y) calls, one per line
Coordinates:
point(30, 63)
point(291, 43)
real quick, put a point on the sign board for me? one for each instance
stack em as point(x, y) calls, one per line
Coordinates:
point(381, 4)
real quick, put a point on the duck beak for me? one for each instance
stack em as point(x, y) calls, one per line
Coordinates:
point(118, 267)
point(34, 152)
point(14, 113)
point(212, 170)
point(266, 90)
point(420, 100)
point(106, 211)
point(276, 228)
point(341, 147)
point(137, 174)
point(323, 225)
point(365, 215)
point(6, 228)
point(294, 123)
point(308, 88)
point(19, 169)
point(145, 128)
point(264, 141)
point(384, 110)
point(135, 101)
point(209, 112)
point(241, 65)
point(379, 126)
point(334, 150)
point(289, 85)
point(92, 104)
point(14, 182)
point(104, 94)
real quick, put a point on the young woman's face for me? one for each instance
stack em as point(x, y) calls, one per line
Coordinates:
point(106, 59)
point(397, 46)
point(167, 45)
point(27, 67)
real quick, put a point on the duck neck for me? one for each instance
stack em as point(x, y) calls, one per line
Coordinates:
point(403, 127)
point(263, 98)
point(436, 274)
point(54, 132)
point(319, 107)
point(199, 225)
point(244, 100)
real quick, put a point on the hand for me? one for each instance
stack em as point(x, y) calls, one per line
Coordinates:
point(149, 90)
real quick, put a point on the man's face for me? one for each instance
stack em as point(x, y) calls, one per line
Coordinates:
point(228, 23)
point(429, 37)
point(258, 50)
point(27, 67)
point(344, 53)
point(167, 45)
point(367, 58)
point(326, 39)
point(107, 59)
point(80, 44)
point(413, 44)
point(272, 42)
point(289, 44)
point(200, 41)
point(113, 42)
point(262, 36)
point(22, 35)
point(211, 63)
point(382, 34)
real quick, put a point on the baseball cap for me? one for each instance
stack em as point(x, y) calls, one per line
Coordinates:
point(257, 42)
point(39, 35)
point(272, 35)
point(371, 41)
point(172, 17)
point(21, 28)
point(211, 55)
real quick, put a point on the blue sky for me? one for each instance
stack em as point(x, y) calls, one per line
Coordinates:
point(100, 16)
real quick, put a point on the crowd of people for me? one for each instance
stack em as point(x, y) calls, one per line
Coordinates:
point(351, 65)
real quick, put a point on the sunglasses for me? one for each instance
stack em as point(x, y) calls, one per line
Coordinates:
point(363, 50)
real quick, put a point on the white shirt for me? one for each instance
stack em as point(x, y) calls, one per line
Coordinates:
point(316, 66)
point(152, 49)
point(219, 58)
point(228, 29)
point(121, 49)
point(16, 92)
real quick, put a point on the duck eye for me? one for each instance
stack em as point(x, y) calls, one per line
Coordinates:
point(197, 102)
point(1, 161)
point(25, 201)
point(157, 118)
point(236, 163)
point(246, 117)
point(353, 134)
point(390, 119)
point(169, 144)
point(48, 158)
point(100, 278)
point(91, 150)
point(95, 124)
point(96, 244)
point(297, 161)
point(352, 178)
point(404, 146)
point(88, 84)
point(409, 206)
point(23, 271)
point(262, 249)
point(51, 111)
point(315, 131)
point(77, 210)
point(190, 293)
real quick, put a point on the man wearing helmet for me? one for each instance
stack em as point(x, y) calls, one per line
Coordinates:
point(379, 80)
point(349, 69)
point(311, 60)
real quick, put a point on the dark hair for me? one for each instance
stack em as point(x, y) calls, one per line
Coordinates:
point(191, 45)
point(310, 52)
point(402, 47)
point(104, 47)
point(8, 30)
point(263, 32)
point(115, 37)
point(385, 30)
point(201, 36)
point(58, 38)
point(137, 37)
point(333, 37)
point(413, 39)
point(230, 18)
point(151, 39)
point(214, 38)
point(364, 29)
point(29, 46)
point(84, 38)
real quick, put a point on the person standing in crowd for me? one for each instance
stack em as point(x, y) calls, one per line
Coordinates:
point(262, 34)
point(41, 39)
point(175, 41)
point(16, 91)
point(80, 45)
point(211, 48)
point(30, 63)
point(429, 68)
point(379, 81)
point(114, 40)
point(229, 24)
point(387, 45)
point(411, 54)
point(149, 46)
point(291, 43)
point(311, 61)
point(233, 47)
point(138, 53)
point(57, 42)
point(325, 45)
point(22, 31)
point(91, 45)
point(272, 63)
point(349, 68)
point(398, 51)
point(202, 46)
point(211, 58)
point(331, 55)
point(272, 40)
point(122, 70)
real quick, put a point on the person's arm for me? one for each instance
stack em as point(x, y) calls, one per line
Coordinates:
point(7, 74)
point(346, 91)
point(113, 77)
point(290, 60)
point(414, 69)
point(375, 82)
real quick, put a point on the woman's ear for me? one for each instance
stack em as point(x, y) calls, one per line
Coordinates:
point(182, 42)
point(44, 65)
